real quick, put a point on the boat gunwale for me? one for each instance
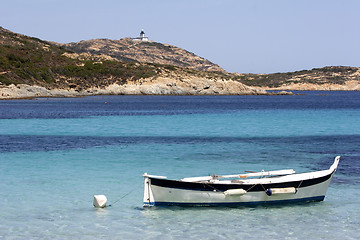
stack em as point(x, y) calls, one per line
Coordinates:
point(207, 186)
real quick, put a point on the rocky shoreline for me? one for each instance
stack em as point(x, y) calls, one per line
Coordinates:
point(169, 86)
point(158, 86)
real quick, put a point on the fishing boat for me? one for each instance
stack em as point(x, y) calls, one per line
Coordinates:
point(254, 188)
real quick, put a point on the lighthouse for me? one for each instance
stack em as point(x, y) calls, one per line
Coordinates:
point(142, 37)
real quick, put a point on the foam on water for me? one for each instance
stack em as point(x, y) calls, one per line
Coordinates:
point(56, 154)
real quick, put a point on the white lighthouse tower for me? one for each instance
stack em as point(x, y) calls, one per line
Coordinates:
point(142, 37)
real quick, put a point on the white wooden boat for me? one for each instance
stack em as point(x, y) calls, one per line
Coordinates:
point(272, 187)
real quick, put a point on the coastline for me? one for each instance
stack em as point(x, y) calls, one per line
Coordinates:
point(163, 86)
point(168, 86)
point(352, 85)
point(158, 86)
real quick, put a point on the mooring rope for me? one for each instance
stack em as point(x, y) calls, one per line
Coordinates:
point(253, 186)
point(121, 198)
point(216, 190)
point(299, 186)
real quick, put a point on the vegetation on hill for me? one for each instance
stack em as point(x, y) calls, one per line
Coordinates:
point(30, 61)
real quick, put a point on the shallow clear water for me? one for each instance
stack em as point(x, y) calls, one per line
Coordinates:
point(55, 154)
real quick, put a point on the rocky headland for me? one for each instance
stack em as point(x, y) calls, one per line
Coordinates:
point(31, 67)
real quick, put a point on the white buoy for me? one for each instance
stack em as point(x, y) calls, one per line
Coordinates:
point(100, 201)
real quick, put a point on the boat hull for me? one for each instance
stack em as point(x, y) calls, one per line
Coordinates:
point(164, 192)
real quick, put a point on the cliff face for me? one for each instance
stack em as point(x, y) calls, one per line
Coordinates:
point(128, 50)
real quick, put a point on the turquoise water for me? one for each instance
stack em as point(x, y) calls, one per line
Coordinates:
point(55, 154)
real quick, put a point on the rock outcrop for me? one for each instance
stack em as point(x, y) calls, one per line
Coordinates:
point(151, 86)
point(128, 50)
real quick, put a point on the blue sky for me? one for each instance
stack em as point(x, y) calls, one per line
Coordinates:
point(246, 36)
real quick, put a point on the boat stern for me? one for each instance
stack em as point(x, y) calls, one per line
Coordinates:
point(148, 200)
point(148, 197)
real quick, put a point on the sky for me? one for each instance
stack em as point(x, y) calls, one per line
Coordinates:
point(245, 36)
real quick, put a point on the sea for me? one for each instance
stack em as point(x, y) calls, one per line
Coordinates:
point(57, 153)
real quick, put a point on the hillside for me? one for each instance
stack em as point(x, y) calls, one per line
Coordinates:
point(326, 78)
point(127, 50)
point(28, 60)
point(32, 67)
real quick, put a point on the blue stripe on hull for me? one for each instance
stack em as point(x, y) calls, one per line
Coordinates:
point(234, 204)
